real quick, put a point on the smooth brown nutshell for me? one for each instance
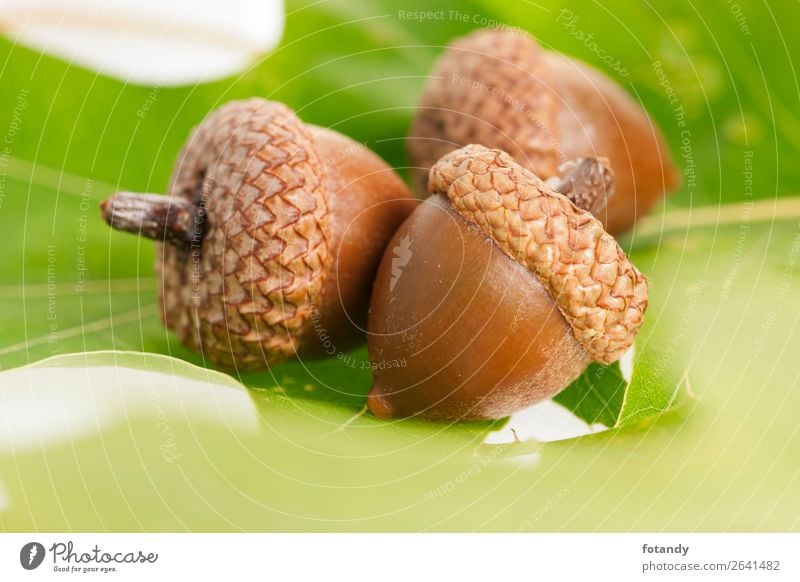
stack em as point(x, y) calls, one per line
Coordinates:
point(495, 294)
point(502, 90)
point(270, 238)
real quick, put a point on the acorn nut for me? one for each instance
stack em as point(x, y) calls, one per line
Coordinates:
point(502, 90)
point(498, 291)
point(270, 239)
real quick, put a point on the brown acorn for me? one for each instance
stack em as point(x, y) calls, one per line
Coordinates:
point(502, 90)
point(270, 239)
point(498, 291)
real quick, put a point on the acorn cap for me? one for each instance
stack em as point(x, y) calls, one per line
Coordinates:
point(594, 285)
point(491, 86)
point(246, 289)
point(501, 89)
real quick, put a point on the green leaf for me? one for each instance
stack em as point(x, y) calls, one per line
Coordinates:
point(317, 464)
point(603, 395)
point(77, 395)
point(722, 325)
point(137, 361)
point(597, 395)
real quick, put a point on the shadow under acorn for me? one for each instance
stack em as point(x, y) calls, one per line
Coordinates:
point(343, 379)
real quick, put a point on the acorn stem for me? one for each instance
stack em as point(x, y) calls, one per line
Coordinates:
point(587, 182)
point(165, 219)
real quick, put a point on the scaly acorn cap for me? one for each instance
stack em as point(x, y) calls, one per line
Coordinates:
point(270, 237)
point(246, 289)
point(501, 89)
point(595, 286)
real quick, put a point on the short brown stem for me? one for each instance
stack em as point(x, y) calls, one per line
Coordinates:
point(587, 182)
point(162, 218)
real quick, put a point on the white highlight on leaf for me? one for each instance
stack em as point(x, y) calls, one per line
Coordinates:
point(527, 461)
point(150, 42)
point(549, 421)
point(543, 422)
point(626, 364)
point(59, 400)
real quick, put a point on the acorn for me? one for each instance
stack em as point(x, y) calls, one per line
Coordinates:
point(498, 291)
point(270, 238)
point(502, 90)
